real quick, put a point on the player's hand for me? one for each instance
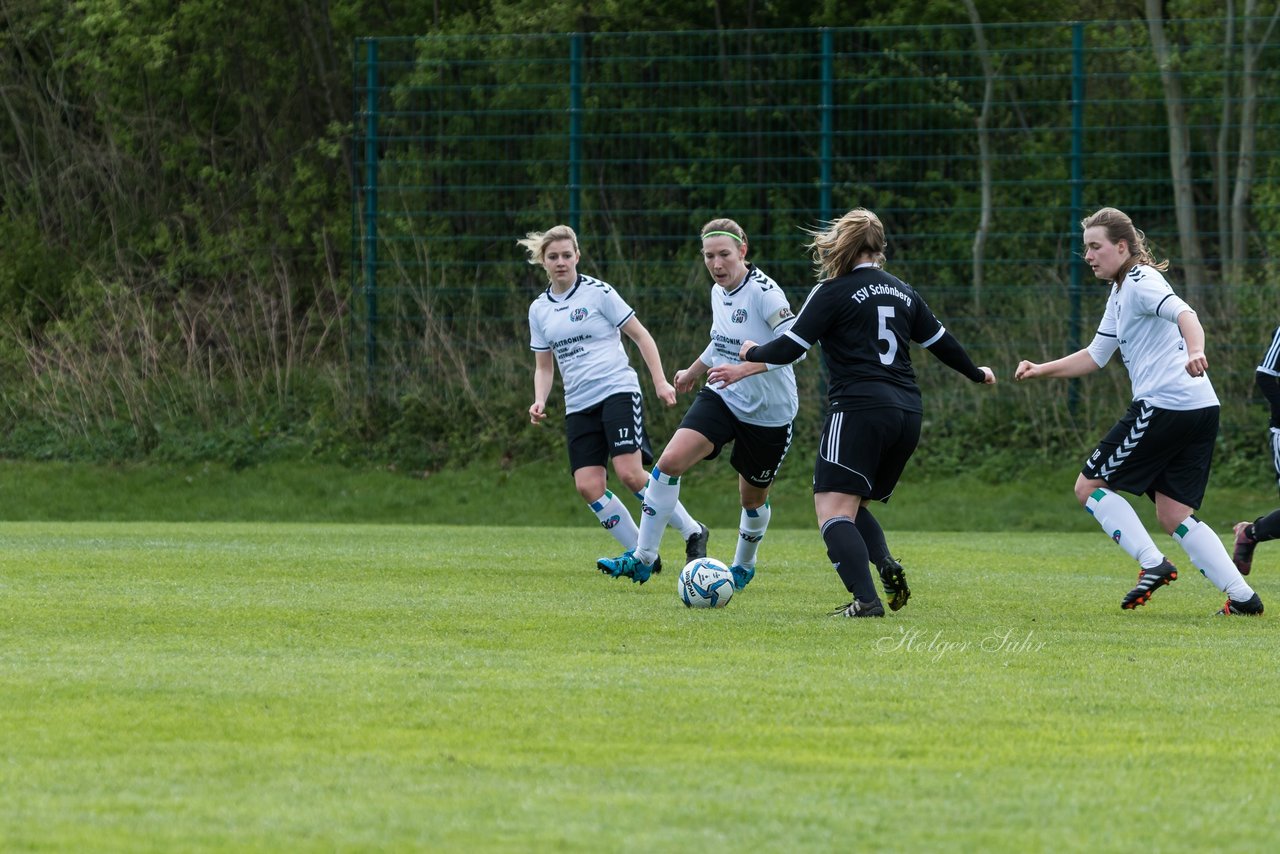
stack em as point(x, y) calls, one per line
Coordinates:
point(666, 392)
point(989, 376)
point(726, 375)
point(742, 351)
point(684, 380)
point(537, 412)
point(1026, 370)
point(1197, 364)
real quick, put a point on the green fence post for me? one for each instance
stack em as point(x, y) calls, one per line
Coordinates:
point(828, 88)
point(575, 130)
point(371, 210)
point(1077, 198)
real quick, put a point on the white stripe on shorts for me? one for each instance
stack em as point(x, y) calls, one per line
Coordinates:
point(831, 453)
point(831, 450)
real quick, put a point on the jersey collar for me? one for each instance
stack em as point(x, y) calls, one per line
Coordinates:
point(568, 295)
point(750, 269)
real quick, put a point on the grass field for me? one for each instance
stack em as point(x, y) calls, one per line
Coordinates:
point(270, 687)
point(1026, 497)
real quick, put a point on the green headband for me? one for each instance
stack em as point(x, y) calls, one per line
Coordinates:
point(725, 233)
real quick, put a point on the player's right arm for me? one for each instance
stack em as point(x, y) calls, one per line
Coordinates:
point(636, 331)
point(1193, 336)
point(543, 376)
point(685, 379)
point(722, 376)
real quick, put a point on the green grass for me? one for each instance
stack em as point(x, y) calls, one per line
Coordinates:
point(1025, 498)
point(267, 687)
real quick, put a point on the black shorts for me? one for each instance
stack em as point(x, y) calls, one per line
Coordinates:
point(612, 427)
point(758, 451)
point(1154, 450)
point(863, 451)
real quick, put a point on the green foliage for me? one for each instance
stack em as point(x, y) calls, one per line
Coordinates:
point(179, 265)
point(177, 149)
point(33, 275)
point(946, 487)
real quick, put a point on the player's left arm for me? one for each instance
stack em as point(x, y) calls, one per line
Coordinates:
point(794, 337)
point(730, 373)
point(635, 330)
point(782, 350)
point(780, 318)
point(952, 354)
point(1193, 335)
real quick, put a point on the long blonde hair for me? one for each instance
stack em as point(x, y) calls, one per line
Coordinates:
point(837, 248)
point(536, 242)
point(1119, 227)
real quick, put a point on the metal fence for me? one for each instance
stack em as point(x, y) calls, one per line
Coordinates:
point(980, 149)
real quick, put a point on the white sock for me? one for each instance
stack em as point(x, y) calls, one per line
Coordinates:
point(660, 499)
point(751, 527)
point(1121, 523)
point(680, 519)
point(616, 519)
point(1210, 557)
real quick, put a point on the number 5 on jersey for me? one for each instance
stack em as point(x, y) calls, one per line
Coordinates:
point(886, 335)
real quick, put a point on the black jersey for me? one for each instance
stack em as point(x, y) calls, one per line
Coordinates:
point(1270, 363)
point(866, 321)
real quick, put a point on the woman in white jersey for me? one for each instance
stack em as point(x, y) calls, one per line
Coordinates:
point(574, 324)
point(1163, 446)
point(750, 405)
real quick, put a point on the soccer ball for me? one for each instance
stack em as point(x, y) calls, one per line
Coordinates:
point(705, 583)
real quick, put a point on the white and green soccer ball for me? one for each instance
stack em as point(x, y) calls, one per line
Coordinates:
point(705, 583)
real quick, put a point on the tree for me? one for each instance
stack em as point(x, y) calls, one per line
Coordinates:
point(1179, 152)
point(1221, 177)
point(1250, 50)
point(984, 153)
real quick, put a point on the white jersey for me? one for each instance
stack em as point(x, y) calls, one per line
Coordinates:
point(1141, 321)
point(756, 310)
point(581, 328)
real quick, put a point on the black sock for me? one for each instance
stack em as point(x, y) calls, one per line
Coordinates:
point(848, 554)
point(872, 535)
point(1267, 527)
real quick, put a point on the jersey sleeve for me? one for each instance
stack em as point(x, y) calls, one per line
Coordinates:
point(776, 310)
point(1156, 296)
point(614, 306)
point(1170, 306)
point(1103, 347)
point(537, 338)
point(779, 316)
point(925, 326)
point(1107, 339)
point(708, 354)
point(952, 354)
point(814, 319)
point(782, 350)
